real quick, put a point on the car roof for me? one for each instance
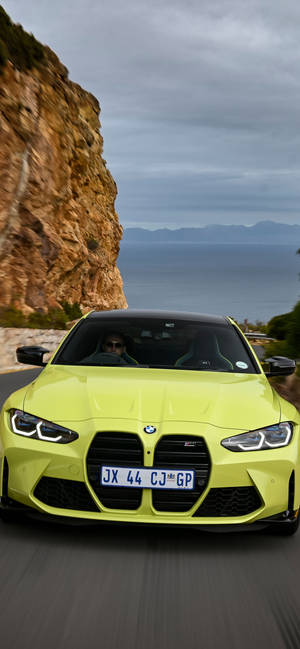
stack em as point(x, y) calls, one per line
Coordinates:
point(158, 315)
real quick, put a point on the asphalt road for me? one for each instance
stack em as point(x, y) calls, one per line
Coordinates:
point(119, 587)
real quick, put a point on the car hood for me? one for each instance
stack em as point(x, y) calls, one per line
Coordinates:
point(235, 401)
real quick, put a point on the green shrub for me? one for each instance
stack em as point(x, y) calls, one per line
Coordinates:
point(21, 48)
point(54, 319)
point(72, 311)
point(293, 334)
point(288, 334)
point(279, 348)
point(278, 326)
point(12, 317)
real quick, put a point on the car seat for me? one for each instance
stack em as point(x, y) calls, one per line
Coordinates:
point(205, 352)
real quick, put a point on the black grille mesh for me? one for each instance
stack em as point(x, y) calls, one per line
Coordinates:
point(181, 452)
point(229, 501)
point(65, 494)
point(115, 449)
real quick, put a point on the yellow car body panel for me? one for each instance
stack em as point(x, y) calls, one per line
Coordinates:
point(211, 405)
point(152, 395)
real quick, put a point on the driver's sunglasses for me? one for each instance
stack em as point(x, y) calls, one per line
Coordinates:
point(112, 345)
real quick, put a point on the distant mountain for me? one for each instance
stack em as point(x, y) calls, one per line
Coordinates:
point(267, 232)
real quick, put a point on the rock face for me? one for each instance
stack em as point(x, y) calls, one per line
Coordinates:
point(59, 232)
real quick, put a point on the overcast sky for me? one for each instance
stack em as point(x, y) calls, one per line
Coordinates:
point(200, 102)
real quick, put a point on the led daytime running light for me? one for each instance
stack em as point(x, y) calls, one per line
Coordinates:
point(44, 437)
point(19, 420)
point(285, 443)
point(254, 448)
point(261, 439)
point(16, 430)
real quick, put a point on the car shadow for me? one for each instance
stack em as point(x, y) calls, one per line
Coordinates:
point(136, 538)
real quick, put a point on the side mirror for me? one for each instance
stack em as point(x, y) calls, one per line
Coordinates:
point(31, 355)
point(280, 366)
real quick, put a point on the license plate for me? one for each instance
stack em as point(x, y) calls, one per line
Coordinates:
point(117, 476)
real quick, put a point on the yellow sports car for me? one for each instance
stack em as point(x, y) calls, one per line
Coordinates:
point(152, 417)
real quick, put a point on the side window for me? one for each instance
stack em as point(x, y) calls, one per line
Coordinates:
point(232, 348)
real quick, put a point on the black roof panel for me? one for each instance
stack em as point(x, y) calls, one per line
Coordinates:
point(151, 314)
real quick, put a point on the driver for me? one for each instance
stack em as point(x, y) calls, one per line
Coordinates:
point(114, 343)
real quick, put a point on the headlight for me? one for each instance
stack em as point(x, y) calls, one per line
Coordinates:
point(261, 439)
point(27, 425)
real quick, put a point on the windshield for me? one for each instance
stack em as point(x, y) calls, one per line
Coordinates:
point(157, 343)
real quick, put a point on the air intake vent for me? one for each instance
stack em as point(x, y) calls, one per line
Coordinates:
point(229, 501)
point(181, 452)
point(65, 494)
point(115, 449)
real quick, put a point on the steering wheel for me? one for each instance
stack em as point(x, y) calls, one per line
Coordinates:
point(110, 358)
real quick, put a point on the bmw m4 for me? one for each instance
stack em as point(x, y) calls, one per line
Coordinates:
point(153, 417)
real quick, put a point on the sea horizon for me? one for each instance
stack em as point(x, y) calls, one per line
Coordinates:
point(253, 281)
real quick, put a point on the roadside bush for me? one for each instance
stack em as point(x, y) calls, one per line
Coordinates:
point(279, 348)
point(293, 335)
point(290, 345)
point(278, 326)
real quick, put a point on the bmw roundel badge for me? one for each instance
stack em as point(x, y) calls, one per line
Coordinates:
point(150, 429)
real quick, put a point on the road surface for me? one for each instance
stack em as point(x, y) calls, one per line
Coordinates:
point(119, 587)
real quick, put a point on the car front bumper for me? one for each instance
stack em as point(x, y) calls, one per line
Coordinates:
point(270, 477)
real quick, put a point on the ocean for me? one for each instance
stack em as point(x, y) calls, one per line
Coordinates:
point(240, 280)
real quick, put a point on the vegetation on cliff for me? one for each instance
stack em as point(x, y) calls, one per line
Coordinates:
point(53, 319)
point(17, 46)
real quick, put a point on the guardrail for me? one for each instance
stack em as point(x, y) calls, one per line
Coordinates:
point(258, 336)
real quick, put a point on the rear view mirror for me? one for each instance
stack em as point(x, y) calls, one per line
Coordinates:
point(279, 366)
point(31, 355)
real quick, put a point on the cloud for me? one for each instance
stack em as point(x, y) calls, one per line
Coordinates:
point(200, 101)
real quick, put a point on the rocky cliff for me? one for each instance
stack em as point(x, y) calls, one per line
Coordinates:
point(59, 232)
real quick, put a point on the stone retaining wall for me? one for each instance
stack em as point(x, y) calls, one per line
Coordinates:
point(11, 338)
